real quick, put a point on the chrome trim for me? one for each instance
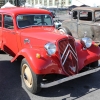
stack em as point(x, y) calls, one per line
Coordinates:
point(64, 52)
point(73, 55)
point(69, 51)
point(72, 49)
point(46, 85)
point(65, 58)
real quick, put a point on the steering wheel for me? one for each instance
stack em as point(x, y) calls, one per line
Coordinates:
point(42, 23)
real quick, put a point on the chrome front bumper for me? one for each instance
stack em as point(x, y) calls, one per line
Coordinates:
point(46, 85)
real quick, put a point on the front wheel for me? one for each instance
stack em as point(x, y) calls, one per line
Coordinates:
point(94, 64)
point(29, 78)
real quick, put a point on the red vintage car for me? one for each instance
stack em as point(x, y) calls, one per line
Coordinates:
point(29, 35)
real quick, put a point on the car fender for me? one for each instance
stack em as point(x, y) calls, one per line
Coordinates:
point(43, 65)
point(87, 56)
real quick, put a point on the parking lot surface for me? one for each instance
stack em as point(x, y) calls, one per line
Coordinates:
point(11, 88)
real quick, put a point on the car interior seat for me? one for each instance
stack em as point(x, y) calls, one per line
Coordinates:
point(23, 23)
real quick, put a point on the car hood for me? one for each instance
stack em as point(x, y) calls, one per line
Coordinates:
point(41, 35)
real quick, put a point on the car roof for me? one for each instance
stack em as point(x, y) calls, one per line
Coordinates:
point(24, 10)
point(87, 8)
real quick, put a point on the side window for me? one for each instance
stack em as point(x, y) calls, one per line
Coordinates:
point(85, 15)
point(75, 14)
point(0, 20)
point(8, 22)
point(97, 15)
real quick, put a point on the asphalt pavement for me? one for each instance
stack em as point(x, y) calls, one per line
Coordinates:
point(11, 87)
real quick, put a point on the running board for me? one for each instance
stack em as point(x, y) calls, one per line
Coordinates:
point(46, 85)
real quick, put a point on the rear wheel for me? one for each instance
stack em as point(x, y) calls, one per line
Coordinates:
point(29, 78)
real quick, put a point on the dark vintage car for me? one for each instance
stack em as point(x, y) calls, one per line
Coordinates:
point(29, 36)
point(85, 21)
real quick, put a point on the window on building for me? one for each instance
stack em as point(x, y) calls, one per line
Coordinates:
point(8, 22)
point(63, 2)
point(50, 2)
point(70, 1)
point(32, 2)
point(36, 1)
point(40, 1)
point(56, 2)
point(45, 2)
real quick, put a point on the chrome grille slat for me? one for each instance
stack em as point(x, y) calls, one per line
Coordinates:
point(64, 52)
point(65, 58)
point(72, 49)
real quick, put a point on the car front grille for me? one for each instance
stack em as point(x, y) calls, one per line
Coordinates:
point(68, 55)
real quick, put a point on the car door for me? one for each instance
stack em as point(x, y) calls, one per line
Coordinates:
point(74, 25)
point(9, 35)
point(85, 24)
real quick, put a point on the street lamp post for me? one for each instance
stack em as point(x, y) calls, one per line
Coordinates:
point(58, 9)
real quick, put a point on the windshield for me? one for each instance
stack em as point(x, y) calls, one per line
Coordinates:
point(34, 20)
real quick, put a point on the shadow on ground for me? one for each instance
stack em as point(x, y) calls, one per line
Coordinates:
point(10, 82)
point(73, 89)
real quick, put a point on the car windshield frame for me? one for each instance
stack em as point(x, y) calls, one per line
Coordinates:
point(43, 16)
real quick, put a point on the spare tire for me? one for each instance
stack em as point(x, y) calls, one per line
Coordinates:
point(65, 30)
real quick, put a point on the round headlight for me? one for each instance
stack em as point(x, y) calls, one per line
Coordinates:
point(87, 42)
point(51, 48)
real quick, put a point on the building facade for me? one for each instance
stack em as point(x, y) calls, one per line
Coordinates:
point(2, 2)
point(50, 3)
point(47, 3)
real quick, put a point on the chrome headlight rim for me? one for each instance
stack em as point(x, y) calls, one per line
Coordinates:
point(50, 48)
point(87, 42)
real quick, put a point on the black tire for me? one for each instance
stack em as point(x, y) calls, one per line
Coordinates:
point(94, 64)
point(65, 30)
point(29, 78)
